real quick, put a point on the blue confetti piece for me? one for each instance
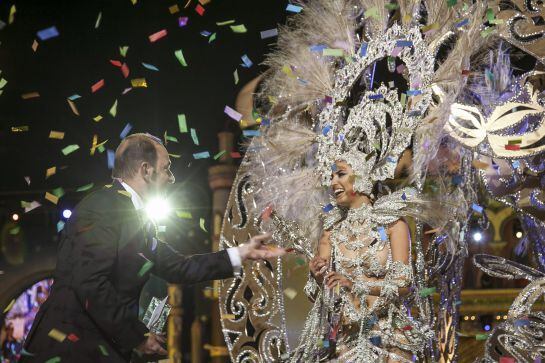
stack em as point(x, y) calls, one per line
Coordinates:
point(48, 33)
point(251, 133)
point(265, 34)
point(201, 155)
point(326, 130)
point(522, 322)
point(457, 179)
point(125, 132)
point(318, 48)
point(382, 233)
point(150, 67)
point(440, 239)
point(327, 208)
point(111, 158)
point(247, 62)
point(377, 96)
point(462, 23)
point(60, 226)
point(341, 137)
point(333, 168)
point(363, 50)
point(74, 97)
point(376, 341)
point(404, 43)
point(294, 8)
point(516, 164)
point(391, 159)
point(403, 196)
point(326, 343)
point(205, 33)
point(414, 92)
point(265, 122)
point(477, 208)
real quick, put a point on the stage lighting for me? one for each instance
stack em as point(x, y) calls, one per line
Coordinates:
point(158, 209)
point(518, 234)
point(487, 327)
point(66, 213)
point(15, 217)
point(477, 236)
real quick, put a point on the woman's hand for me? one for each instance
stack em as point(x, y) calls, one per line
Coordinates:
point(318, 266)
point(333, 279)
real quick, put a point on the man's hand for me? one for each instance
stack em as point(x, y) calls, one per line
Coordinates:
point(318, 266)
point(256, 249)
point(152, 345)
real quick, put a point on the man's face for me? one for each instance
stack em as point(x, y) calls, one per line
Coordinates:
point(162, 176)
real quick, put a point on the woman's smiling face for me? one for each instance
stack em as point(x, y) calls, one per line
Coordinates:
point(342, 185)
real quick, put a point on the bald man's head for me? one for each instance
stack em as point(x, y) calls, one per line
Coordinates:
point(132, 151)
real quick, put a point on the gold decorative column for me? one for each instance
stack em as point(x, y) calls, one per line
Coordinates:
point(175, 324)
point(220, 178)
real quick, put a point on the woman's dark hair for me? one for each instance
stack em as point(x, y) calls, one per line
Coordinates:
point(132, 151)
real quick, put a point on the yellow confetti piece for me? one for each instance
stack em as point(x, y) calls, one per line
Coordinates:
point(113, 109)
point(134, 2)
point(433, 26)
point(480, 165)
point(174, 9)
point(51, 171)
point(73, 107)
point(52, 198)
point(201, 224)
point(228, 317)
point(19, 128)
point(227, 22)
point(123, 50)
point(176, 156)
point(10, 305)
point(12, 12)
point(372, 12)
point(139, 82)
point(204, 2)
point(97, 118)
point(235, 76)
point(240, 28)
point(59, 135)
point(407, 18)
point(29, 95)
point(125, 193)
point(184, 214)
point(290, 293)
point(57, 335)
point(216, 351)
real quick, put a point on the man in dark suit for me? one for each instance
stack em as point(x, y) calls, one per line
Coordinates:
point(106, 253)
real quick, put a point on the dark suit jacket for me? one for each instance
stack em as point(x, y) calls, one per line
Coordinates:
point(104, 259)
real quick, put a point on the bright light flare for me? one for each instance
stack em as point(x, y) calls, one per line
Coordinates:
point(66, 213)
point(477, 236)
point(158, 209)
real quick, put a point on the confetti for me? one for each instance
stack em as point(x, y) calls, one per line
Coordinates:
point(3, 82)
point(327, 208)
point(212, 38)
point(228, 316)
point(479, 164)
point(58, 192)
point(111, 158)
point(19, 128)
point(235, 155)
point(182, 123)
point(194, 137)
point(150, 67)
point(72, 337)
point(247, 62)
point(12, 12)
point(507, 359)
point(291, 293)
point(427, 291)
point(99, 18)
point(85, 187)
point(250, 133)
point(201, 155)
point(27, 179)
point(97, 118)
point(10, 305)
point(56, 135)
point(238, 28)
point(103, 350)
point(48, 33)
point(126, 130)
point(97, 86)
point(139, 82)
point(182, 21)
point(57, 335)
point(74, 97)
point(70, 149)
point(145, 268)
point(332, 52)
point(180, 55)
point(184, 214)
point(174, 9)
point(481, 336)
point(60, 226)
point(372, 12)
point(113, 109)
point(15, 230)
point(51, 171)
point(201, 224)
point(123, 50)
point(73, 107)
point(235, 76)
point(32, 205)
point(265, 34)
point(226, 22)
point(451, 3)
point(382, 233)
point(232, 113)
point(158, 35)
point(53, 360)
point(171, 138)
point(29, 95)
point(199, 9)
point(219, 155)
point(294, 8)
point(477, 208)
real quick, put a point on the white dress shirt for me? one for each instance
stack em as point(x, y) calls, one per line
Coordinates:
point(233, 252)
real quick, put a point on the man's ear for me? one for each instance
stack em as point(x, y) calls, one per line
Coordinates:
point(146, 171)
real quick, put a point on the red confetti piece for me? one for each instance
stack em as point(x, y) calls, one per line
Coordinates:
point(125, 70)
point(407, 327)
point(236, 155)
point(512, 147)
point(199, 9)
point(73, 337)
point(466, 72)
point(156, 36)
point(115, 62)
point(97, 86)
point(267, 213)
point(507, 360)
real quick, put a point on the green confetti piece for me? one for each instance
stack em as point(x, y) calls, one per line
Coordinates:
point(372, 12)
point(299, 261)
point(391, 6)
point(451, 3)
point(403, 99)
point(332, 52)
point(219, 155)
point(14, 230)
point(171, 138)
point(427, 291)
point(227, 22)
point(103, 350)
point(182, 123)
point(489, 14)
point(123, 50)
point(180, 55)
point(481, 336)
point(53, 360)
point(184, 214)
point(58, 192)
point(145, 268)
point(194, 137)
point(201, 224)
point(235, 76)
point(487, 32)
point(465, 7)
point(99, 18)
point(70, 149)
point(3, 82)
point(212, 38)
point(239, 28)
point(113, 109)
point(101, 148)
point(85, 187)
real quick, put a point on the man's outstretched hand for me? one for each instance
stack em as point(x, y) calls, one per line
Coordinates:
point(257, 249)
point(152, 345)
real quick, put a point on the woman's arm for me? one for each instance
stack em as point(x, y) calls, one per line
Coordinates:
point(318, 266)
